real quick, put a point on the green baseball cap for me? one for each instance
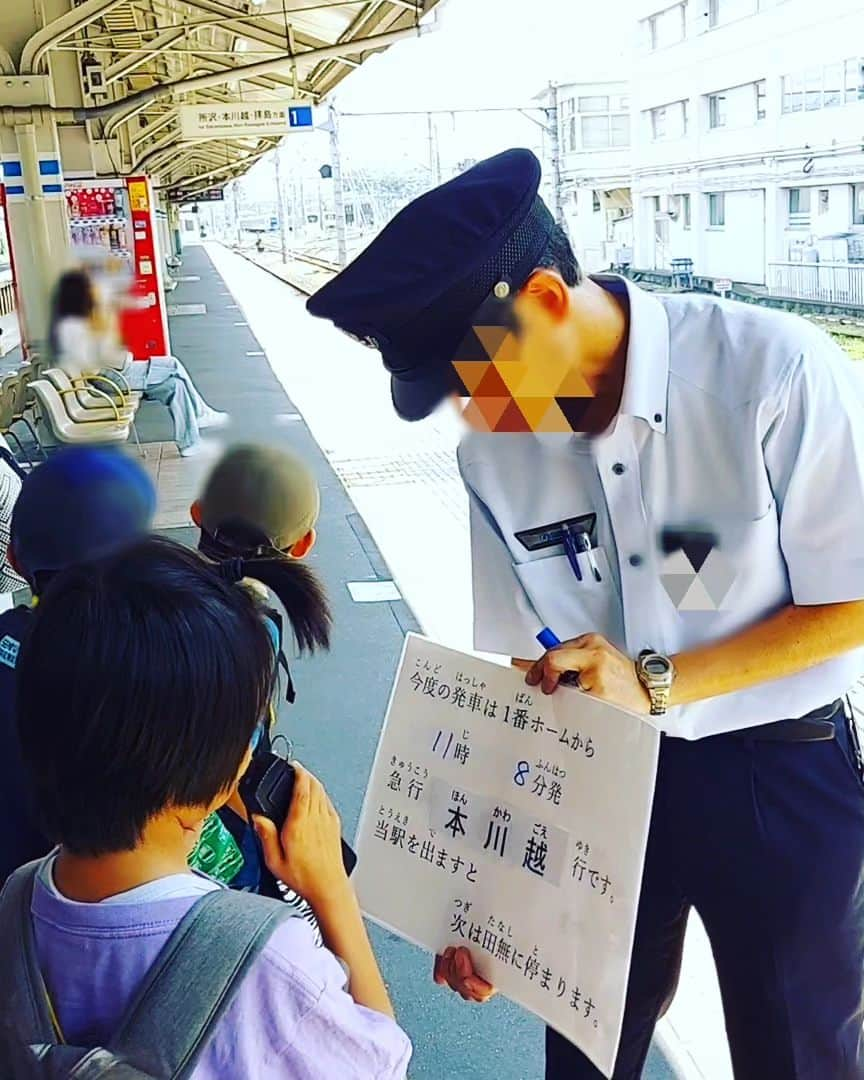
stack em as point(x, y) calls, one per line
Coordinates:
point(271, 490)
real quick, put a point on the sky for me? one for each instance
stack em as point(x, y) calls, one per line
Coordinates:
point(483, 54)
point(493, 52)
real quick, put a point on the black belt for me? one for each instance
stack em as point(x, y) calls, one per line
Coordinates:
point(816, 726)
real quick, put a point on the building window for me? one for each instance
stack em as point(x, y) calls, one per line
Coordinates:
point(685, 211)
point(717, 111)
point(761, 98)
point(799, 207)
point(737, 106)
point(832, 85)
point(666, 27)
point(668, 121)
point(595, 132)
point(858, 204)
point(813, 89)
point(595, 201)
point(572, 132)
point(824, 87)
point(655, 202)
point(620, 128)
point(593, 104)
point(824, 200)
point(349, 215)
point(726, 11)
point(716, 210)
point(601, 132)
point(854, 79)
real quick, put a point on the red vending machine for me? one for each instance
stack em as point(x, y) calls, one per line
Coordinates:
point(113, 232)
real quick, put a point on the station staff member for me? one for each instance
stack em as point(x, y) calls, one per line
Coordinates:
point(730, 423)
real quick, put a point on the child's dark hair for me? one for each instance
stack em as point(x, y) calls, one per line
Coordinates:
point(139, 688)
point(243, 551)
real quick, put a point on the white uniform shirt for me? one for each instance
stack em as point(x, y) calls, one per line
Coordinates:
point(734, 418)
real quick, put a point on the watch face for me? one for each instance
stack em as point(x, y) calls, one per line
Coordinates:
point(656, 665)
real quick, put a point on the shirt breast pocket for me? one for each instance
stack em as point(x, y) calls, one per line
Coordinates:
point(741, 580)
point(568, 606)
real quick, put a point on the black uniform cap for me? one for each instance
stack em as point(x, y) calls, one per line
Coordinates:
point(412, 292)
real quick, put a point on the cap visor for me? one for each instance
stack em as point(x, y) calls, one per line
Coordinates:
point(415, 399)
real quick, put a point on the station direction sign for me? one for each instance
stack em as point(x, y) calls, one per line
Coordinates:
point(210, 195)
point(238, 119)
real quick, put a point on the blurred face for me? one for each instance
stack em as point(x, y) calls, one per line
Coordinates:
point(517, 366)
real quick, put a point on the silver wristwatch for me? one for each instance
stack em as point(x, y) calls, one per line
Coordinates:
point(656, 673)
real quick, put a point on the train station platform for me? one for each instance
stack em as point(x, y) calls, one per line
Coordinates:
point(393, 520)
point(391, 509)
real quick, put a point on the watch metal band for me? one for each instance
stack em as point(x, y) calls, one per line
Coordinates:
point(659, 700)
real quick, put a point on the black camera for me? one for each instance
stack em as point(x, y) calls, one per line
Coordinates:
point(267, 788)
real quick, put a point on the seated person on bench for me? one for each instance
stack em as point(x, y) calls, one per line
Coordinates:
point(84, 341)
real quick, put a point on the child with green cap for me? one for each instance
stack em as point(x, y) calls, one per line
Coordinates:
point(257, 516)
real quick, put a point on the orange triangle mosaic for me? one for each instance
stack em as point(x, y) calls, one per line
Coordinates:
point(507, 394)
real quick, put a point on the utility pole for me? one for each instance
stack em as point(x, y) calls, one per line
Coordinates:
point(238, 232)
point(280, 204)
point(554, 130)
point(300, 219)
point(434, 156)
point(338, 192)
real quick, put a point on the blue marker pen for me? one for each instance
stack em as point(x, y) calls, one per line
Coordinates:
point(549, 639)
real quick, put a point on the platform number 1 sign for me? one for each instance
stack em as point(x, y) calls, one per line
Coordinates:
point(300, 116)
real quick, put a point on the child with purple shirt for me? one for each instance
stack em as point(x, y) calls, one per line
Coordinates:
point(136, 727)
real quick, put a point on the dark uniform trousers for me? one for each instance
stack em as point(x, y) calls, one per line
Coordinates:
point(766, 841)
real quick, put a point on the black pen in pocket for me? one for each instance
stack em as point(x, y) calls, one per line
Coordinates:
point(571, 547)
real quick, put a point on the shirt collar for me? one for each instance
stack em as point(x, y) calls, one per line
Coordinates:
point(646, 378)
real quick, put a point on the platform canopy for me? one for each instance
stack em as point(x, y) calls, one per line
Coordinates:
point(121, 71)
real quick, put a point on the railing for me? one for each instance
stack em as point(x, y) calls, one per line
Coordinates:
point(7, 293)
point(831, 283)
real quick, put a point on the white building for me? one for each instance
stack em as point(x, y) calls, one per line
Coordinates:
point(748, 129)
point(593, 142)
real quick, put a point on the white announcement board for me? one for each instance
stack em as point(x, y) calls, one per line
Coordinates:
point(514, 824)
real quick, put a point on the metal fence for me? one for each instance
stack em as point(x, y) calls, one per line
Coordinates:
point(7, 293)
point(832, 283)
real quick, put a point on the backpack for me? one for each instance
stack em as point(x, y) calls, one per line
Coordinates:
point(21, 838)
point(186, 991)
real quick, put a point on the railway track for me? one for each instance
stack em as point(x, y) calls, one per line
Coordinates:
point(294, 282)
point(314, 260)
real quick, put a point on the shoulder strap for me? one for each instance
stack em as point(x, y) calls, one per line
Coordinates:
point(10, 460)
point(194, 979)
point(275, 617)
point(22, 992)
